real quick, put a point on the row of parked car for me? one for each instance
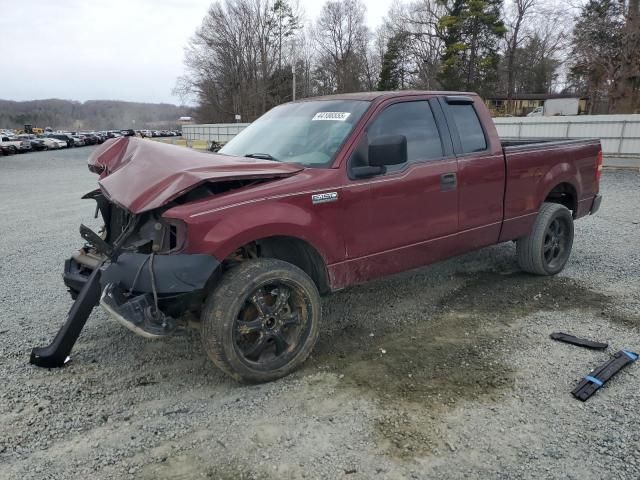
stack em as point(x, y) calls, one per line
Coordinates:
point(11, 143)
point(160, 133)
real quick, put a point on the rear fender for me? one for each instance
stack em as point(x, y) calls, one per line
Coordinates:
point(563, 172)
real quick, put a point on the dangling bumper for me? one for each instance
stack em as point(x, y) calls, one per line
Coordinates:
point(134, 281)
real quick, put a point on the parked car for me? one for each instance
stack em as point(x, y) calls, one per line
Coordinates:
point(62, 136)
point(88, 139)
point(94, 137)
point(313, 197)
point(15, 144)
point(7, 149)
point(25, 146)
point(37, 144)
point(78, 141)
point(54, 143)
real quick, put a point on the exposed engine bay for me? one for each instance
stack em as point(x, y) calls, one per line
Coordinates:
point(142, 286)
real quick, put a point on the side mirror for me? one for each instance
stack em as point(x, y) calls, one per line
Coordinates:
point(388, 150)
point(382, 151)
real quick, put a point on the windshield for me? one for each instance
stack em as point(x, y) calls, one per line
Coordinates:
point(309, 133)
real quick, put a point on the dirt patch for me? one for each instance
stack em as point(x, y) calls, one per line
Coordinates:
point(186, 467)
point(420, 371)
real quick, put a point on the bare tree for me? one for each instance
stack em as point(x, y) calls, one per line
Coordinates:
point(234, 61)
point(606, 53)
point(515, 17)
point(342, 38)
point(419, 23)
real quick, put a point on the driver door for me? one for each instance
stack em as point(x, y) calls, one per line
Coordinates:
point(395, 219)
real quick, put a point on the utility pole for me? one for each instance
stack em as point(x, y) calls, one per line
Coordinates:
point(293, 72)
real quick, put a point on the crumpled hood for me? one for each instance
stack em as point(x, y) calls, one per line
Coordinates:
point(141, 175)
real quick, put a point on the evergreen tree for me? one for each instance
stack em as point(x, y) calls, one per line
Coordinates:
point(472, 29)
point(392, 72)
point(285, 22)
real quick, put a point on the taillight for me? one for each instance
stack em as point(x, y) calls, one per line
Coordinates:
point(599, 166)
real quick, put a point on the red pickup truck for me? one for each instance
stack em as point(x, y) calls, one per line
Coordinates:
point(312, 197)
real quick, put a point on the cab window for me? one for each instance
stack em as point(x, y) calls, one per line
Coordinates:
point(469, 128)
point(415, 121)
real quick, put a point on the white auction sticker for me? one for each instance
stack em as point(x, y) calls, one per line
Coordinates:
point(336, 116)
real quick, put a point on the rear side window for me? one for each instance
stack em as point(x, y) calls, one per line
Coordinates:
point(469, 128)
point(415, 121)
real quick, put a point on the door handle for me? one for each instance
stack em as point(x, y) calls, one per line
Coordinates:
point(448, 181)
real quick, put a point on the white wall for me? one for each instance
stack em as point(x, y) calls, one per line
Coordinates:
point(213, 132)
point(619, 134)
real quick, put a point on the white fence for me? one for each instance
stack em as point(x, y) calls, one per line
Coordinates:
point(619, 134)
point(212, 132)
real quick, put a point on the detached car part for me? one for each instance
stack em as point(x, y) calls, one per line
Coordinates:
point(581, 342)
point(57, 353)
point(601, 375)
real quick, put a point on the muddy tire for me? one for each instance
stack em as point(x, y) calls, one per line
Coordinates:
point(262, 320)
point(547, 248)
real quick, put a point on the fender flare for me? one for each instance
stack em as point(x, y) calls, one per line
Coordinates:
point(560, 173)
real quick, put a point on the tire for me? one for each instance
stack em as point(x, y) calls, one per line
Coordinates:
point(262, 320)
point(13, 149)
point(547, 248)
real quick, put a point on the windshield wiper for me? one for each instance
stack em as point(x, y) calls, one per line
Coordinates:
point(263, 156)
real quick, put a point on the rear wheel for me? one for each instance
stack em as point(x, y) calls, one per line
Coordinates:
point(262, 320)
point(547, 248)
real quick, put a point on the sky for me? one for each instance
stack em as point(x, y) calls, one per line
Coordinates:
point(106, 49)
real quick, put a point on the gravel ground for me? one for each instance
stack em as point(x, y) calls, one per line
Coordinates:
point(442, 372)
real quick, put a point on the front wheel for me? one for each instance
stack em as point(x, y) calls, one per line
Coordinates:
point(546, 249)
point(262, 320)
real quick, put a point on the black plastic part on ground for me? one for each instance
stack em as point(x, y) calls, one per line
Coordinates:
point(596, 379)
point(581, 342)
point(55, 354)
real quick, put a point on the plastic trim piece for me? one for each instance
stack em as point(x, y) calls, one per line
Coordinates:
point(581, 342)
point(591, 383)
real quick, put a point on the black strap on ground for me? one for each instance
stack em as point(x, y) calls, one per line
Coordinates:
point(596, 379)
point(581, 342)
point(55, 354)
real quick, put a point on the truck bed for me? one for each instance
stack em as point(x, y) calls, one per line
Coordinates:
point(511, 144)
point(537, 168)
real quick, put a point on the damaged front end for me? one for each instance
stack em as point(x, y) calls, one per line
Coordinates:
point(133, 267)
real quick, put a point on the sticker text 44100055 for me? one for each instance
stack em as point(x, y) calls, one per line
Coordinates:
point(335, 116)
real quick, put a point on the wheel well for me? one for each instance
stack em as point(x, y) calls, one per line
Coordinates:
point(564, 194)
point(289, 249)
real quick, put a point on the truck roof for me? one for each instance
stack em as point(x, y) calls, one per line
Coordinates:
point(371, 96)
